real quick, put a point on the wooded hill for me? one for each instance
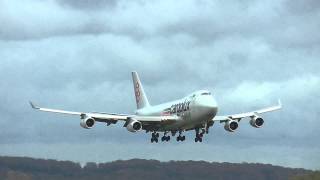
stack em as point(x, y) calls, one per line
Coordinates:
point(16, 168)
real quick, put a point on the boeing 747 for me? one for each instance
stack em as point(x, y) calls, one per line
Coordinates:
point(197, 111)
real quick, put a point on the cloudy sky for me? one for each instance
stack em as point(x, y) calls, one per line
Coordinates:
point(78, 55)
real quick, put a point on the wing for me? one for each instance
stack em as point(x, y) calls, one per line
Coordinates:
point(110, 117)
point(248, 114)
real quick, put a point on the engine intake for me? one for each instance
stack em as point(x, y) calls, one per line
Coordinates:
point(134, 126)
point(87, 123)
point(256, 122)
point(231, 125)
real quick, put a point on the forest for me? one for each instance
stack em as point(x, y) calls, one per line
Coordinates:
point(23, 168)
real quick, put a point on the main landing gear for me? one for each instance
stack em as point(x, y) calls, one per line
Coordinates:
point(199, 136)
point(165, 137)
point(155, 137)
point(180, 137)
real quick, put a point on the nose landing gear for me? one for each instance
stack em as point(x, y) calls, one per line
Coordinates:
point(197, 139)
point(199, 136)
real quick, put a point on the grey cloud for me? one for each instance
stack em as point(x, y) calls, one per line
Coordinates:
point(89, 4)
point(276, 24)
point(199, 28)
point(18, 33)
point(303, 6)
point(15, 32)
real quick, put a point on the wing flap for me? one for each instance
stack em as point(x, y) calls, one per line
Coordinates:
point(105, 116)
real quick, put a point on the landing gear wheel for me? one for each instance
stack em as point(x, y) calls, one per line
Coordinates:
point(180, 138)
point(207, 130)
point(197, 139)
point(168, 138)
point(155, 137)
point(201, 135)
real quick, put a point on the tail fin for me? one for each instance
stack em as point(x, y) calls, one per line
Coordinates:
point(141, 98)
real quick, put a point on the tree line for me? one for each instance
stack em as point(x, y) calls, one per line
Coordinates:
point(22, 168)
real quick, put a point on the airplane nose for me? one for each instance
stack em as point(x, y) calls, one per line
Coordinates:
point(208, 103)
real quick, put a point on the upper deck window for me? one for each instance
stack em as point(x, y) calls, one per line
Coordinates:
point(205, 93)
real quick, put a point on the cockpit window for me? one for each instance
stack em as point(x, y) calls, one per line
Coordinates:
point(205, 93)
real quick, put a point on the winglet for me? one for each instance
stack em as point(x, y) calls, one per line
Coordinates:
point(279, 103)
point(33, 106)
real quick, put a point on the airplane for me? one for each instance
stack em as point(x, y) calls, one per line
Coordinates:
point(197, 111)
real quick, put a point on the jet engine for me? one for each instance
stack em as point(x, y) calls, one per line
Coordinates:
point(87, 123)
point(231, 125)
point(134, 126)
point(256, 122)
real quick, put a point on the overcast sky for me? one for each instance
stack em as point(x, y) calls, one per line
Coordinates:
point(78, 55)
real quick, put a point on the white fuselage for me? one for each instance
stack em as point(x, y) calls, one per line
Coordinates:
point(194, 111)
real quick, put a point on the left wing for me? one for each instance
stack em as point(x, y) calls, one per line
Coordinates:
point(109, 117)
point(248, 114)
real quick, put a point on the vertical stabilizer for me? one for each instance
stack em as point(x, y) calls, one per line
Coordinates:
point(141, 98)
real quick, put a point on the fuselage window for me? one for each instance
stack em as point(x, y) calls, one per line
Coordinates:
point(206, 93)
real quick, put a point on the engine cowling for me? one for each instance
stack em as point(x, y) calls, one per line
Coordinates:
point(87, 123)
point(231, 126)
point(134, 126)
point(256, 122)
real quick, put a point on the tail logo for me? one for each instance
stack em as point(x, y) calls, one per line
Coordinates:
point(137, 91)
